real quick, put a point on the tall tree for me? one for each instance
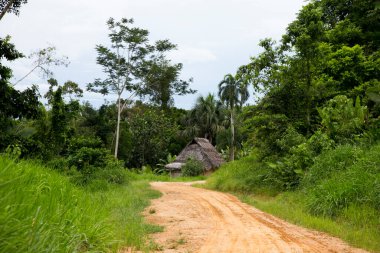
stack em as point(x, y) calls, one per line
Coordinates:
point(161, 77)
point(62, 115)
point(234, 93)
point(10, 6)
point(305, 35)
point(13, 103)
point(121, 63)
point(43, 59)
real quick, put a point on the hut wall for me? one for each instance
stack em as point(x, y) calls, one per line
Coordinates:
point(194, 150)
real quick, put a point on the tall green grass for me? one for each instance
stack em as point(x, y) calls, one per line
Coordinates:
point(243, 176)
point(41, 211)
point(341, 178)
point(150, 176)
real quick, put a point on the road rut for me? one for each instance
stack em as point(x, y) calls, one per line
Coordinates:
point(204, 221)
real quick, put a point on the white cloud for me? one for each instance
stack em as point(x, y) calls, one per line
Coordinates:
point(192, 55)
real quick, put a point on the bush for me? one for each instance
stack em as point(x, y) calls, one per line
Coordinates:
point(244, 175)
point(115, 175)
point(344, 177)
point(192, 168)
point(342, 120)
point(58, 163)
point(76, 143)
point(86, 157)
point(96, 163)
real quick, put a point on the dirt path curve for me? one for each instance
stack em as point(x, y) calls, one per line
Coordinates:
point(199, 220)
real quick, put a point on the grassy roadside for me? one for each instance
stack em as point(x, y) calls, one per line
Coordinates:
point(164, 178)
point(42, 211)
point(360, 228)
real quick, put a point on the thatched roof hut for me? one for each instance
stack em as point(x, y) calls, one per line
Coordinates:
point(200, 149)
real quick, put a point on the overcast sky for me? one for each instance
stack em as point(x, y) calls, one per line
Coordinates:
point(214, 37)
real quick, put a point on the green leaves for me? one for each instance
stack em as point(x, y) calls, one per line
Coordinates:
point(233, 92)
point(123, 60)
point(342, 120)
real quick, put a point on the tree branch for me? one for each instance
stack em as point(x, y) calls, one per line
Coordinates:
point(7, 7)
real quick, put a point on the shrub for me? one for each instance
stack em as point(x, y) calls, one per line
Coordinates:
point(86, 157)
point(58, 163)
point(289, 169)
point(192, 168)
point(95, 163)
point(244, 175)
point(111, 175)
point(76, 143)
point(342, 120)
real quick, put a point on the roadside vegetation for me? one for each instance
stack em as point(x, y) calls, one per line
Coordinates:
point(46, 211)
point(311, 143)
point(42, 211)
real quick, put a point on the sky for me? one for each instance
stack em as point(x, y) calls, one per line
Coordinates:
point(214, 37)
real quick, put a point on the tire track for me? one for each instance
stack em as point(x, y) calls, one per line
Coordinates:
point(204, 221)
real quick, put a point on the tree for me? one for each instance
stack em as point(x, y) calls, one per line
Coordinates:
point(43, 59)
point(234, 93)
point(264, 71)
point(152, 133)
point(305, 35)
point(205, 119)
point(69, 88)
point(14, 104)
point(62, 116)
point(162, 82)
point(10, 6)
point(121, 63)
point(161, 77)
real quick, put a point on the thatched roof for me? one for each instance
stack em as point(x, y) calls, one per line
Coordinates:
point(202, 150)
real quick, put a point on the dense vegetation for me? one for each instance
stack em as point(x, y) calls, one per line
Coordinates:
point(314, 135)
point(311, 139)
point(42, 211)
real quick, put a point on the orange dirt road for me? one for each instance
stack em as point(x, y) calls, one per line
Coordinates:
point(204, 221)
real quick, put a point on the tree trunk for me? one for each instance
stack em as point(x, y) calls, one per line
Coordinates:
point(232, 148)
point(7, 7)
point(118, 125)
point(308, 97)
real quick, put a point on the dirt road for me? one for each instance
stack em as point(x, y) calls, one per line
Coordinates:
point(199, 220)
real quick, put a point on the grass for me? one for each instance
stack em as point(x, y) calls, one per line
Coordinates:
point(41, 211)
point(359, 226)
point(245, 175)
point(150, 176)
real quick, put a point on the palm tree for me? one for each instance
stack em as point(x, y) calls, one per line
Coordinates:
point(234, 94)
point(204, 118)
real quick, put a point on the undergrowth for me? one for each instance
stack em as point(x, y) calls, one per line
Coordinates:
point(42, 211)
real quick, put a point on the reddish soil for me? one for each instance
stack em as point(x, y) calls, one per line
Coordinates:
point(200, 220)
